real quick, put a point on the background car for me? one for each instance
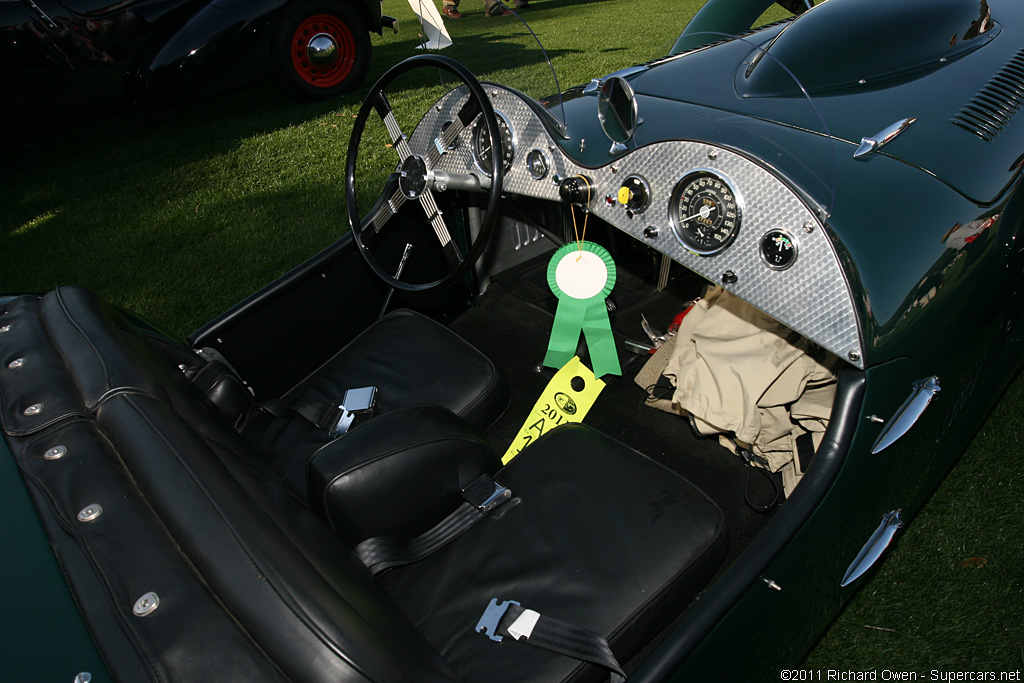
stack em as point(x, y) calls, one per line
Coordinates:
point(78, 58)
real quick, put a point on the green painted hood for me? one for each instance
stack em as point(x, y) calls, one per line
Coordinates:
point(858, 66)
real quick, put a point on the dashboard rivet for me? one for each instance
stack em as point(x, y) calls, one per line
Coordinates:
point(650, 232)
point(712, 154)
point(808, 227)
point(853, 355)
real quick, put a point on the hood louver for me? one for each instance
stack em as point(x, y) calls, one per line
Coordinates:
point(996, 103)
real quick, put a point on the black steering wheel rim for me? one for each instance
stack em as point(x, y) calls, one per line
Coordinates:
point(376, 100)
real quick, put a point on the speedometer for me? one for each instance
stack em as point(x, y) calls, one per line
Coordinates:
point(483, 154)
point(705, 212)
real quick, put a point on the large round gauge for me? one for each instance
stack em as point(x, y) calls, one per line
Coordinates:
point(705, 212)
point(483, 155)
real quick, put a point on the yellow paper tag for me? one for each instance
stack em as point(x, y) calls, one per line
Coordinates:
point(566, 398)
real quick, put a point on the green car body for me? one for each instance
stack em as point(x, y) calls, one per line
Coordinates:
point(926, 227)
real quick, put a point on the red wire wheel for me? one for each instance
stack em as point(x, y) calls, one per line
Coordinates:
point(323, 51)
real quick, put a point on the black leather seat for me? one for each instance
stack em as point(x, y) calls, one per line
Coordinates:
point(412, 360)
point(596, 534)
point(255, 585)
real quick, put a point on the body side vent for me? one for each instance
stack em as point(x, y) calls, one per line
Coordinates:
point(993, 106)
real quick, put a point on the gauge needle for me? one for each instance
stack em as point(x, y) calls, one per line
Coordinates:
point(704, 212)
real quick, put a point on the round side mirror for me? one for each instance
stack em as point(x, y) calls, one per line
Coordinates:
point(617, 109)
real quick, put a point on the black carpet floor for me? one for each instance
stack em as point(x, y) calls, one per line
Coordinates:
point(519, 304)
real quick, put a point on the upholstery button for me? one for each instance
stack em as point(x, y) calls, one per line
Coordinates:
point(146, 605)
point(90, 513)
point(56, 453)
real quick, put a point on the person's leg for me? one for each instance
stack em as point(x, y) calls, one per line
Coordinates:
point(493, 8)
point(450, 9)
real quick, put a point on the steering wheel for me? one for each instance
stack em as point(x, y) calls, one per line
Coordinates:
point(416, 179)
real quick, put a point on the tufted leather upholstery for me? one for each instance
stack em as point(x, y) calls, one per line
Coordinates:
point(255, 586)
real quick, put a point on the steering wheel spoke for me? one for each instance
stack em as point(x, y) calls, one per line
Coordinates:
point(388, 204)
point(467, 113)
point(416, 180)
point(444, 236)
point(387, 115)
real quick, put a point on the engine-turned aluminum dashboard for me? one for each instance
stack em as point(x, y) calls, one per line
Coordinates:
point(801, 285)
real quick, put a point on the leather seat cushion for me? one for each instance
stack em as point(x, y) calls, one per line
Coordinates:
point(596, 534)
point(412, 360)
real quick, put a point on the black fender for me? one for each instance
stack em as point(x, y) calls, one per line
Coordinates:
point(217, 48)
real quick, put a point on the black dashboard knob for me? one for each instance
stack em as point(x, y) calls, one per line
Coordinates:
point(576, 189)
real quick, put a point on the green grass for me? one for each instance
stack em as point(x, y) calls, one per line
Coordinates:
point(179, 220)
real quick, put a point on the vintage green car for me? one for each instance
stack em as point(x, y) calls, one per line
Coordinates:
point(799, 301)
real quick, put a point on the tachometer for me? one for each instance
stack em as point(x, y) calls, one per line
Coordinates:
point(483, 155)
point(705, 212)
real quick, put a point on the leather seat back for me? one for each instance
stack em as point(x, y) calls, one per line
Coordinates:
point(294, 586)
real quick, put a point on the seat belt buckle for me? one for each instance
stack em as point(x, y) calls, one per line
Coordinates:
point(485, 493)
point(356, 403)
point(488, 624)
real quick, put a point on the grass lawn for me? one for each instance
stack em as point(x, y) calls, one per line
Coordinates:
point(180, 219)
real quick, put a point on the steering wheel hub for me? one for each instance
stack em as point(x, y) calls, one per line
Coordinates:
point(412, 176)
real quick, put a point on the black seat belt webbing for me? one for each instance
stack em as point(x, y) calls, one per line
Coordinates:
point(561, 637)
point(382, 553)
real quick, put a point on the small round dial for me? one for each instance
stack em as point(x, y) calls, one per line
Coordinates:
point(483, 155)
point(778, 250)
point(537, 164)
point(705, 212)
point(634, 194)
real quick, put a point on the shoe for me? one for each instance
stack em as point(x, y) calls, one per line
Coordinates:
point(451, 13)
point(499, 11)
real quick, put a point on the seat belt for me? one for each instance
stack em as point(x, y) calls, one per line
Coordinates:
point(382, 553)
point(333, 419)
point(509, 618)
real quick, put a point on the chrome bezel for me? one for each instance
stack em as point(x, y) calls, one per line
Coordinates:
point(792, 240)
point(474, 147)
point(673, 205)
point(529, 166)
point(647, 189)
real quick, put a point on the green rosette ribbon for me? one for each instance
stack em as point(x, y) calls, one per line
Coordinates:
point(582, 275)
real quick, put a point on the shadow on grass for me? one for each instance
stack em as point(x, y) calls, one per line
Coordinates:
point(181, 267)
